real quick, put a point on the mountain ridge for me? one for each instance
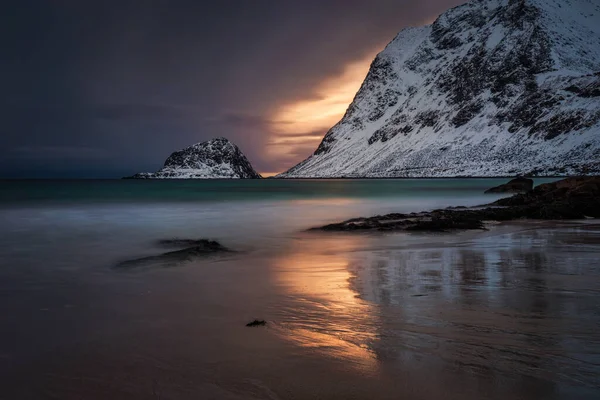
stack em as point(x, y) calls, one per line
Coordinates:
point(491, 88)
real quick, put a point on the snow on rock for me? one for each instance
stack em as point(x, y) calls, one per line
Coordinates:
point(214, 159)
point(491, 88)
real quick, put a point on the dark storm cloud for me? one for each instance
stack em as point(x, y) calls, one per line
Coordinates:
point(135, 80)
point(244, 121)
point(47, 153)
point(125, 112)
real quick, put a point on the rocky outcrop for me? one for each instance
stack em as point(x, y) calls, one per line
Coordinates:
point(517, 185)
point(198, 248)
point(214, 159)
point(491, 88)
point(572, 198)
point(435, 221)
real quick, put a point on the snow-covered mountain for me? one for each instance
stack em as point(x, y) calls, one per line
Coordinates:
point(214, 159)
point(491, 88)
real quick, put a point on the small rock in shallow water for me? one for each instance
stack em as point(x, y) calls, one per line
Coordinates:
point(202, 249)
point(257, 322)
point(209, 245)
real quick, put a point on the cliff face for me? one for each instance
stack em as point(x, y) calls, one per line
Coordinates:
point(493, 87)
point(214, 159)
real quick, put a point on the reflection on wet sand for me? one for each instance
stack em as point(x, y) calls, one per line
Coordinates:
point(513, 313)
point(330, 317)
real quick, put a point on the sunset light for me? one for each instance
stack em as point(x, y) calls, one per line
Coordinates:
point(306, 121)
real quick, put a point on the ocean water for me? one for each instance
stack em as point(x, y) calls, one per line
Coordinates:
point(121, 217)
point(511, 312)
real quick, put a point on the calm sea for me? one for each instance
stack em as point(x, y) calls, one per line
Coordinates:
point(507, 313)
point(129, 213)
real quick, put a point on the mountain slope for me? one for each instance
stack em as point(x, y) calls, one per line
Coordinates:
point(492, 87)
point(214, 159)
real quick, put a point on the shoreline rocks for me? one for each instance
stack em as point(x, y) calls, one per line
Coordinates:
point(571, 198)
point(517, 185)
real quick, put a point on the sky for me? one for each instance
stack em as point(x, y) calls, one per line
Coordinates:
point(109, 88)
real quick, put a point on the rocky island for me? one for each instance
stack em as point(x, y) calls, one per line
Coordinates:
point(214, 159)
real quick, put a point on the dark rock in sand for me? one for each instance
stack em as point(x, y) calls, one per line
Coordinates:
point(517, 185)
point(572, 198)
point(205, 248)
point(257, 322)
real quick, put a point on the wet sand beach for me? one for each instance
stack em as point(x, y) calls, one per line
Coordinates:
point(512, 312)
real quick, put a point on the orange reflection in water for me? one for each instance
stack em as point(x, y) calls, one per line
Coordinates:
point(324, 314)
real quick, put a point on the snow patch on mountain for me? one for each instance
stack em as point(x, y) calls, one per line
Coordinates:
point(491, 88)
point(214, 159)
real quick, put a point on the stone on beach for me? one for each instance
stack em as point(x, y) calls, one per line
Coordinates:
point(256, 322)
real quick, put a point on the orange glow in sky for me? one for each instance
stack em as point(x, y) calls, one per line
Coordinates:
point(305, 121)
point(332, 97)
point(299, 125)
